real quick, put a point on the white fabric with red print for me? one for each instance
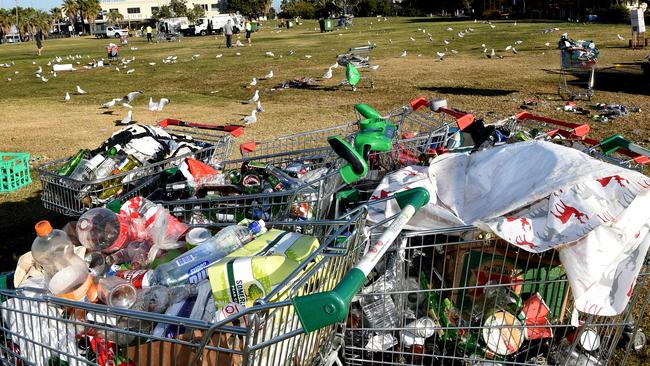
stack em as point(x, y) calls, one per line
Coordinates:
point(539, 196)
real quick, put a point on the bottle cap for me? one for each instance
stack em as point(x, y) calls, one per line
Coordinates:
point(197, 236)
point(43, 228)
point(257, 226)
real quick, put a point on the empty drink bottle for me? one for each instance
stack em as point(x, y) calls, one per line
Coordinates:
point(192, 266)
point(53, 250)
point(102, 229)
point(72, 163)
point(85, 169)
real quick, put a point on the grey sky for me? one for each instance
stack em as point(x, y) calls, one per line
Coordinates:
point(49, 4)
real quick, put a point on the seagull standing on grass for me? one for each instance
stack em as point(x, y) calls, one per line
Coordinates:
point(126, 120)
point(269, 75)
point(251, 119)
point(255, 97)
point(259, 108)
point(328, 74)
point(67, 97)
point(80, 91)
point(253, 83)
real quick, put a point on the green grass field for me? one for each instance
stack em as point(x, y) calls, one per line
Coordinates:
point(35, 119)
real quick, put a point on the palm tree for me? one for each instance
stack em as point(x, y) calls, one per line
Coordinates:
point(6, 21)
point(115, 17)
point(92, 10)
point(56, 15)
point(71, 8)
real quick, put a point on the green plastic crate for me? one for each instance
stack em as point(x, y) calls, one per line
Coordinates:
point(14, 171)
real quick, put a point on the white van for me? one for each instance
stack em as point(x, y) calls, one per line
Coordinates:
point(214, 24)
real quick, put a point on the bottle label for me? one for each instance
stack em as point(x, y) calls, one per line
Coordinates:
point(122, 236)
point(185, 259)
point(136, 277)
point(199, 272)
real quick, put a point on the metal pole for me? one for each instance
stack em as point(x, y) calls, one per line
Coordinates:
point(17, 30)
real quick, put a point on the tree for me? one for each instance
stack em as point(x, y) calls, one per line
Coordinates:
point(71, 8)
point(114, 16)
point(195, 13)
point(250, 7)
point(91, 8)
point(55, 14)
point(6, 21)
point(272, 13)
point(163, 12)
point(178, 7)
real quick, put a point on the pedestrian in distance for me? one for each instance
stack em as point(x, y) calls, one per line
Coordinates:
point(227, 31)
point(248, 27)
point(149, 38)
point(38, 37)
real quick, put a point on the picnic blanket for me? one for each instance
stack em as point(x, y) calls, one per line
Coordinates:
point(540, 196)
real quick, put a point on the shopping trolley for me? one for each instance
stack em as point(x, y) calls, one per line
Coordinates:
point(359, 59)
point(72, 197)
point(577, 57)
point(38, 329)
point(461, 296)
point(112, 52)
point(542, 128)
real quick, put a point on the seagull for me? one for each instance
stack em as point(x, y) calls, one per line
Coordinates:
point(307, 56)
point(403, 54)
point(157, 107)
point(519, 42)
point(328, 74)
point(80, 91)
point(441, 55)
point(334, 66)
point(237, 54)
point(38, 76)
point(152, 63)
point(454, 52)
point(255, 97)
point(127, 105)
point(390, 41)
point(44, 79)
point(492, 54)
point(252, 118)
point(126, 120)
point(39, 70)
point(492, 26)
point(259, 108)
point(412, 39)
point(483, 45)
point(239, 44)
point(509, 48)
point(269, 75)
point(194, 57)
point(461, 34)
point(131, 71)
point(446, 41)
point(219, 55)
point(132, 95)
point(450, 29)
point(620, 38)
point(547, 44)
point(111, 103)
point(514, 50)
point(66, 98)
point(374, 67)
point(269, 53)
point(253, 82)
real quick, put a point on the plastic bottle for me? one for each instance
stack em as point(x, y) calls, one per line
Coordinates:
point(100, 229)
point(72, 163)
point(135, 253)
point(157, 299)
point(53, 250)
point(192, 266)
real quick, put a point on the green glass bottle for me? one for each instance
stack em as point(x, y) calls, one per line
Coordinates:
point(113, 186)
point(56, 361)
point(72, 163)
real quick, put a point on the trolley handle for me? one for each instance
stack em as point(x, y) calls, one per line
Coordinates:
point(319, 310)
point(576, 130)
point(617, 143)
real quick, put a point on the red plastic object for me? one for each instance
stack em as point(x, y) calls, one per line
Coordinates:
point(234, 130)
point(462, 119)
point(418, 103)
point(249, 146)
point(575, 130)
point(199, 169)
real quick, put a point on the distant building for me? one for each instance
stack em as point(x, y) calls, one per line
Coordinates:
point(142, 10)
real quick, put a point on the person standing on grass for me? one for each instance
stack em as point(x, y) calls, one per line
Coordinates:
point(149, 38)
point(38, 37)
point(227, 31)
point(248, 28)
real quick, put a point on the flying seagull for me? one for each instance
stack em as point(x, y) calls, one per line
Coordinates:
point(157, 107)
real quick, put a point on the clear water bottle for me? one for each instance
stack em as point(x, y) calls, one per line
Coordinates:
point(192, 266)
point(53, 250)
point(157, 299)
